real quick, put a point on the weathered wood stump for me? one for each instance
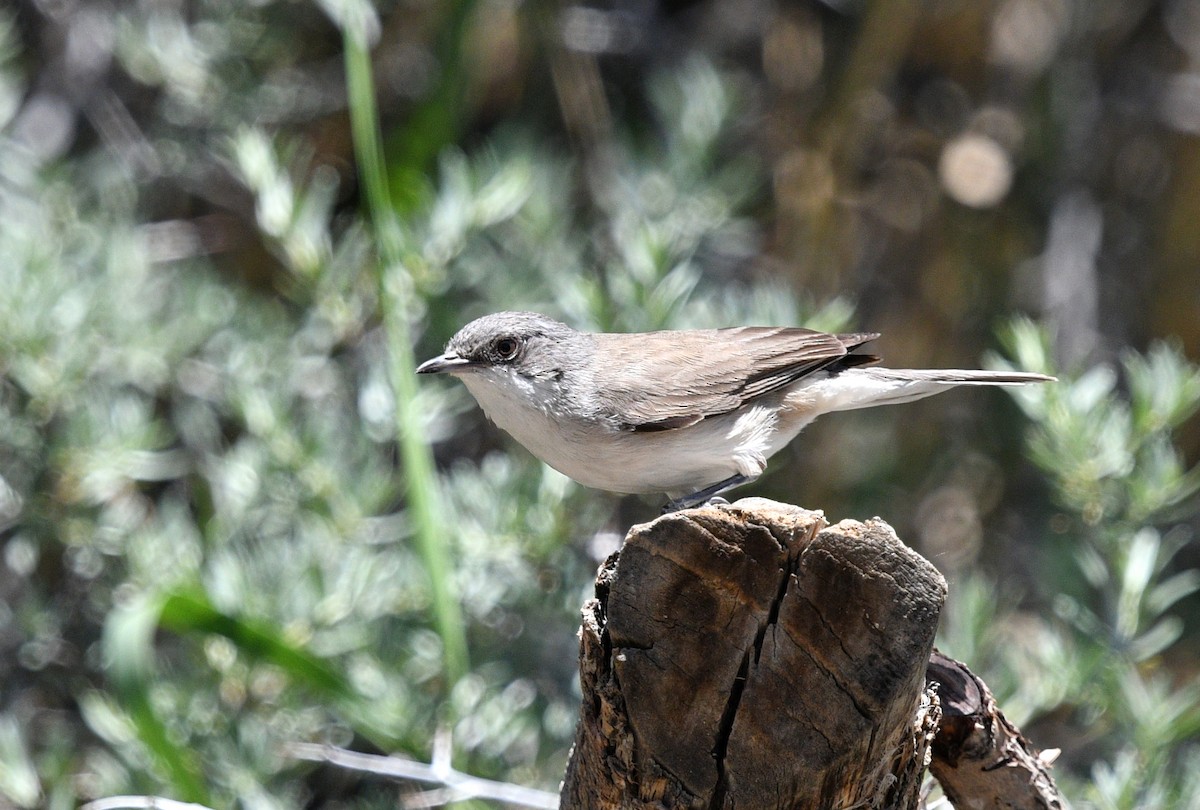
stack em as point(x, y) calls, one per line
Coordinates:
point(752, 656)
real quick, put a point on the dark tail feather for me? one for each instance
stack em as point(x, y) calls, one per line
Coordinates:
point(956, 376)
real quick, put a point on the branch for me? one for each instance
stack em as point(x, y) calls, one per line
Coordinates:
point(458, 786)
point(979, 757)
point(140, 803)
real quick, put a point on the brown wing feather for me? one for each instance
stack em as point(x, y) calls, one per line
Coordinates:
point(708, 372)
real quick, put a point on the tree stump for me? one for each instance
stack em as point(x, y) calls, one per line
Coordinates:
point(753, 656)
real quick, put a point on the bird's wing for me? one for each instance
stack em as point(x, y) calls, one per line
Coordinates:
point(703, 373)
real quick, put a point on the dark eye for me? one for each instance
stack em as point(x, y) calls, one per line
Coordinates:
point(507, 348)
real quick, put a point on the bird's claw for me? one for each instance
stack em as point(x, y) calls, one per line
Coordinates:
point(709, 496)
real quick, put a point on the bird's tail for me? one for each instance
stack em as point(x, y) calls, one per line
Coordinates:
point(865, 387)
point(958, 376)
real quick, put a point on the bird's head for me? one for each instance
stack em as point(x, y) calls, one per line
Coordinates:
point(521, 343)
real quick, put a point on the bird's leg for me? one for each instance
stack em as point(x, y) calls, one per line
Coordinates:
point(703, 496)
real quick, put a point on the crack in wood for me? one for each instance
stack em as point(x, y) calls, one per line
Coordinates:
point(729, 714)
point(725, 729)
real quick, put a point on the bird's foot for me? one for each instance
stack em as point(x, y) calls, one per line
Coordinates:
point(707, 496)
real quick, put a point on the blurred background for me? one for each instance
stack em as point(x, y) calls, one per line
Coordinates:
point(232, 521)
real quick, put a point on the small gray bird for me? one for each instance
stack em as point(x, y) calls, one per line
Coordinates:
point(688, 413)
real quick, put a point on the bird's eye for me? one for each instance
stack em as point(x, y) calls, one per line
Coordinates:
point(506, 348)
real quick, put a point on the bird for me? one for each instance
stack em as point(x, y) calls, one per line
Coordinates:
point(686, 413)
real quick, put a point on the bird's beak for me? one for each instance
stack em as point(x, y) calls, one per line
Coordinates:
point(448, 362)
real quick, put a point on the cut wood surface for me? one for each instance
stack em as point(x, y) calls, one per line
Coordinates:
point(752, 656)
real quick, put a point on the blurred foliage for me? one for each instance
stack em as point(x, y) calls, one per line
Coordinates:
point(228, 230)
point(1099, 665)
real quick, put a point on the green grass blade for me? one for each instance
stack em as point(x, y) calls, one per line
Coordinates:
point(187, 613)
point(128, 644)
point(184, 613)
point(394, 295)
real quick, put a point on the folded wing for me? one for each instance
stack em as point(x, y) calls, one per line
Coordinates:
point(702, 373)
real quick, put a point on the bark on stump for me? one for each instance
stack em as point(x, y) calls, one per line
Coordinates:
point(751, 656)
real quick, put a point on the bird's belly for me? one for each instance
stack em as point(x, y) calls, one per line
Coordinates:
point(676, 462)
